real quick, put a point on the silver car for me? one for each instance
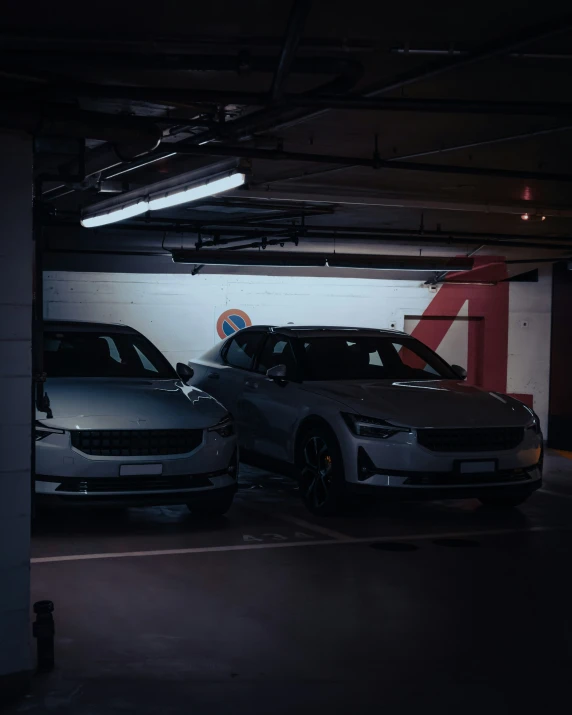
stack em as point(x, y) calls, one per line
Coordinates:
point(118, 425)
point(349, 410)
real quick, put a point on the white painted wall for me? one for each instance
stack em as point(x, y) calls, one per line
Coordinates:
point(179, 312)
point(15, 416)
point(530, 308)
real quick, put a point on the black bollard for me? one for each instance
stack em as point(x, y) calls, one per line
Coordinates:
point(43, 631)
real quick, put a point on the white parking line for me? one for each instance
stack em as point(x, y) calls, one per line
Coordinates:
point(555, 494)
point(337, 535)
point(294, 544)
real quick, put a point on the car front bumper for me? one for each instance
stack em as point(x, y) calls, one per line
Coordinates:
point(402, 467)
point(497, 487)
point(65, 475)
point(135, 498)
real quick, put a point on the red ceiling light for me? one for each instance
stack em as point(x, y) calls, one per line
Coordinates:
point(534, 217)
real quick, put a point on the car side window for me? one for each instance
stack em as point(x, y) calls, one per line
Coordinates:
point(241, 350)
point(277, 350)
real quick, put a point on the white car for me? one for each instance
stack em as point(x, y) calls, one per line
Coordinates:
point(371, 412)
point(118, 425)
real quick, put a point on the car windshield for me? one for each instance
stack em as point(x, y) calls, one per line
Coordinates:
point(370, 358)
point(103, 354)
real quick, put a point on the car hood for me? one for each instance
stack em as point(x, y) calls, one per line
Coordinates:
point(424, 403)
point(119, 403)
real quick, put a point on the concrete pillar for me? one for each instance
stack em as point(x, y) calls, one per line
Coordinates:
point(16, 281)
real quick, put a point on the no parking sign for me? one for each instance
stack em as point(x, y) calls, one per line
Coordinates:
point(230, 321)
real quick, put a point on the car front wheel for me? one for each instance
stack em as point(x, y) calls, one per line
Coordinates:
point(321, 471)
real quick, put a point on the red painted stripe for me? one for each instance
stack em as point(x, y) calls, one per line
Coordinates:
point(488, 352)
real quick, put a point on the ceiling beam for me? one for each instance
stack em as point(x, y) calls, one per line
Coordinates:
point(243, 151)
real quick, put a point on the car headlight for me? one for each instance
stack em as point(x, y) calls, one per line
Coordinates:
point(41, 431)
point(225, 427)
point(371, 426)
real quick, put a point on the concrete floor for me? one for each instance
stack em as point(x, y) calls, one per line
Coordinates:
point(269, 610)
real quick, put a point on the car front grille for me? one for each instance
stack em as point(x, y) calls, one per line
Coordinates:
point(95, 485)
point(469, 439)
point(136, 443)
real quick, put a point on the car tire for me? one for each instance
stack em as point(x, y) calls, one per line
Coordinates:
point(503, 502)
point(320, 471)
point(213, 507)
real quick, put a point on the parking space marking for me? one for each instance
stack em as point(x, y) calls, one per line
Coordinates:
point(295, 544)
point(555, 494)
point(288, 518)
point(272, 536)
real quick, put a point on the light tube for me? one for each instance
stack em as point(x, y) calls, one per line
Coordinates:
point(115, 215)
point(197, 192)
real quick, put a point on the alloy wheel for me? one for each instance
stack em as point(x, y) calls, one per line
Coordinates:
point(317, 470)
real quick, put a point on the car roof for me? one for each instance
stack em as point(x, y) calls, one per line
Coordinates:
point(82, 326)
point(315, 331)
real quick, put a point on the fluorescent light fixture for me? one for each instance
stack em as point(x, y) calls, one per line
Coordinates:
point(193, 193)
point(197, 192)
point(115, 215)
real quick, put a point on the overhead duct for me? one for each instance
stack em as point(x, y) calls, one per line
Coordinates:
point(289, 259)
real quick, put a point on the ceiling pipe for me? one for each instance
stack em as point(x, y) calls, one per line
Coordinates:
point(373, 163)
point(296, 22)
point(406, 50)
point(337, 260)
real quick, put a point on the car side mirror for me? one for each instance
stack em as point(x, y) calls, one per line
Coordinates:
point(460, 371)
point(184, 372)
point(278, 372)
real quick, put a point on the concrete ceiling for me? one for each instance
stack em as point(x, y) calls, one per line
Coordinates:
point(168, 81)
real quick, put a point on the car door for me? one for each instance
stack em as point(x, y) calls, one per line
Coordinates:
point(227, 381)
point(273, 406)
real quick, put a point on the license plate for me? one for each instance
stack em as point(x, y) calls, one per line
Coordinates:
point(139, 470)
point(477, 467)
